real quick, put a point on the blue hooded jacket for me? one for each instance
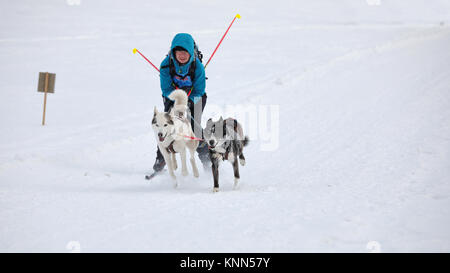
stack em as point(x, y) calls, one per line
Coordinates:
point(185, 41)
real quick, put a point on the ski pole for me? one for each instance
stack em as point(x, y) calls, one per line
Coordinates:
point(134, 52)
point(237, 16)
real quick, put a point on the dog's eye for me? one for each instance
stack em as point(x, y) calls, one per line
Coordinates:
point(165, 125)
point(156, 125)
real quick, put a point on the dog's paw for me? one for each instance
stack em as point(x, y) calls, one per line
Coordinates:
point(196, 174)
point(242, 161)
point(236, 184)
point(215, 189)
point(173, 176)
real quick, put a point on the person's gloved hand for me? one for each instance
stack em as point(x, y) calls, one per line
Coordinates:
point(195, 100)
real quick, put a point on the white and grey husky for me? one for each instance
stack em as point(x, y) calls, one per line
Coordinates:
point(226, 141)
point(174, 134)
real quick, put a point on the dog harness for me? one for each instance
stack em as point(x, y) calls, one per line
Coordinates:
point(227, 151)
point(170, 149)
point(228, 143)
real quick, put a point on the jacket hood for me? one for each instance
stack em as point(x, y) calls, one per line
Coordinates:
point(185, 41)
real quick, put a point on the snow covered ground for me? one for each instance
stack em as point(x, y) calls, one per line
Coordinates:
point(357, 160)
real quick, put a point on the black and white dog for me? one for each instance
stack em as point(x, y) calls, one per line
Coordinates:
point(226, 141)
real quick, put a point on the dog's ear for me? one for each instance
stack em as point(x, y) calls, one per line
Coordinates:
point(155, 111)
point(221, 120)
point(209, 122)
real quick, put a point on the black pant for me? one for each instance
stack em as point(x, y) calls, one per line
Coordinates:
point(194, 115)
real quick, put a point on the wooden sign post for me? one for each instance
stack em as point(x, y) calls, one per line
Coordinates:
point(47, 85)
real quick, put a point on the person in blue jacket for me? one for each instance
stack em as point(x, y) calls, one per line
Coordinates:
point(182, 69)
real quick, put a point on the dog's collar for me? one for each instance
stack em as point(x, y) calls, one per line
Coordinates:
point(226, 146)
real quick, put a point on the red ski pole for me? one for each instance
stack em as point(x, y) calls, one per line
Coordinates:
point(134, 52)
point(237, 16)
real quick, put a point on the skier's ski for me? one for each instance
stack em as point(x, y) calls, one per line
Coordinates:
point(152, 175)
